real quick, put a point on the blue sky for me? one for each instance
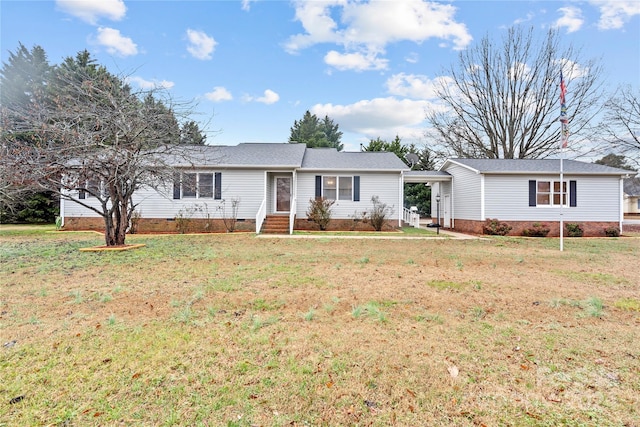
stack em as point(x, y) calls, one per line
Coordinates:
point(255, 66)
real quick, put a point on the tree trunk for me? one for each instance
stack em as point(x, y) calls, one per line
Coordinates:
point(116, 219)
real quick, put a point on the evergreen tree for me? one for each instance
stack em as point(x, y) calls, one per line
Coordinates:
point(315, 132)
point(190, 134)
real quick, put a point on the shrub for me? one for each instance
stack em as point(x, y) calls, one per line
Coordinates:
point(612, 232)
point(494, 227)
point(319, 211)
point(379, 213)
point(230, 218)
point(536, 230)
point(358, 217)
point(183, 218)
point(574, 229)
point(134, 221)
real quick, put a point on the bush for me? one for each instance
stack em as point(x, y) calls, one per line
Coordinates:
point(612, 232)
point(574, 230)
point(379, 213)
point(319, 211)
point(536, 230)
point(494, 227)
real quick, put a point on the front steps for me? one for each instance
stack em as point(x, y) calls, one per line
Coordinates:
point(276, 224)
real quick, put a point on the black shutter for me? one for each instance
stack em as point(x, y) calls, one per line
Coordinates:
point(532, 192)
point(217, 193)
point(356, 188)
point(318, 186)
point(176, 186)
point(573, 196)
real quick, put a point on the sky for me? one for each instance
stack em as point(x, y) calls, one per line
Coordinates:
point(251, 68)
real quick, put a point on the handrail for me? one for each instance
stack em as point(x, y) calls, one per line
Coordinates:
point(406, 215)
point(292, 215)
point(411, 217)
point(261, 215)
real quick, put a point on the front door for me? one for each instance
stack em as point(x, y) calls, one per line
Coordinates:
point(447, 211)
point(283, 193)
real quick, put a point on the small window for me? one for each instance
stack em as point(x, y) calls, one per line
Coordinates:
point(329, 186)
point(638, 203)
point(205, 185)
point(556, 193)
point(548, 193)
point(345, 188)
point(544, 193)
point(189, 184)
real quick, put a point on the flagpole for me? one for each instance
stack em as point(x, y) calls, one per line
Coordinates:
point(564, 135)
point(561, 201)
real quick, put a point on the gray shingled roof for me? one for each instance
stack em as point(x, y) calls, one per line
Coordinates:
point(272, 155)
point(523, 166)
point(284, 155)
point(331, 159)
point(631, 187)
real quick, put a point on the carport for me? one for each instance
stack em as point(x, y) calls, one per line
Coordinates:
point(440, 183)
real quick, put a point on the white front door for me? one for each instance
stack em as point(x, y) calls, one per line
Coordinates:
point(447, 211)
point(283, 193)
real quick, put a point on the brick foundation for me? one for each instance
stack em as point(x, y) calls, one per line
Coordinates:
point(591, 229)
point(163, 225)
point(170, 225)
point(304, 224)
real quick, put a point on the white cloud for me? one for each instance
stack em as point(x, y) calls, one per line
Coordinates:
point(615, 13)
point(246, 4)
point(150, 84)
point(367, 27)
point(92, 10)
point(201, 46)
point(269, 97)
point(116, 43)
point(571, 19)
point(414, 86)
point(412, 58)
point(355, 61)
point(219, 94)
point(384, 117)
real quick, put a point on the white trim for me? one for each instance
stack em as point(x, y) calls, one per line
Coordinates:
point(275, 192)
point(482, 215)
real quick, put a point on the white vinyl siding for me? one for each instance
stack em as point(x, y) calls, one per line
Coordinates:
point(466, 189)
point(384, 185)
point(245, 185)
point(507, 198)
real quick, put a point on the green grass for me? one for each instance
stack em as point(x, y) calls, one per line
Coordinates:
point(236, 330)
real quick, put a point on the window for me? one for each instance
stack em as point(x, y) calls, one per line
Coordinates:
point(189, 185)
point(197, 185)
point(205, 185)
point(329, 185)
point(345, 188)
point(638, 203)
point(548, 193)
point(338, 187)
point(92, 188)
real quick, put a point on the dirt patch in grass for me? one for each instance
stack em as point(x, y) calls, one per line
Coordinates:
point(235, 330)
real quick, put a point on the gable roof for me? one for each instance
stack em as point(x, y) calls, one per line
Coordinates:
point(534, 166)
point(283, 156)
point(631, 187)
point(332, 159)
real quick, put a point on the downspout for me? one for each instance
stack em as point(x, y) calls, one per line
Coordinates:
point(482, 214)
point(621, 207)
point(401, 202)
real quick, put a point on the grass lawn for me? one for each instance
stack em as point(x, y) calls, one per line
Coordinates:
point(233, 330)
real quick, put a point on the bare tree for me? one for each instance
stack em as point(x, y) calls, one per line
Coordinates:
point(93, 141)
point(622, 122)
point(502, 100)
